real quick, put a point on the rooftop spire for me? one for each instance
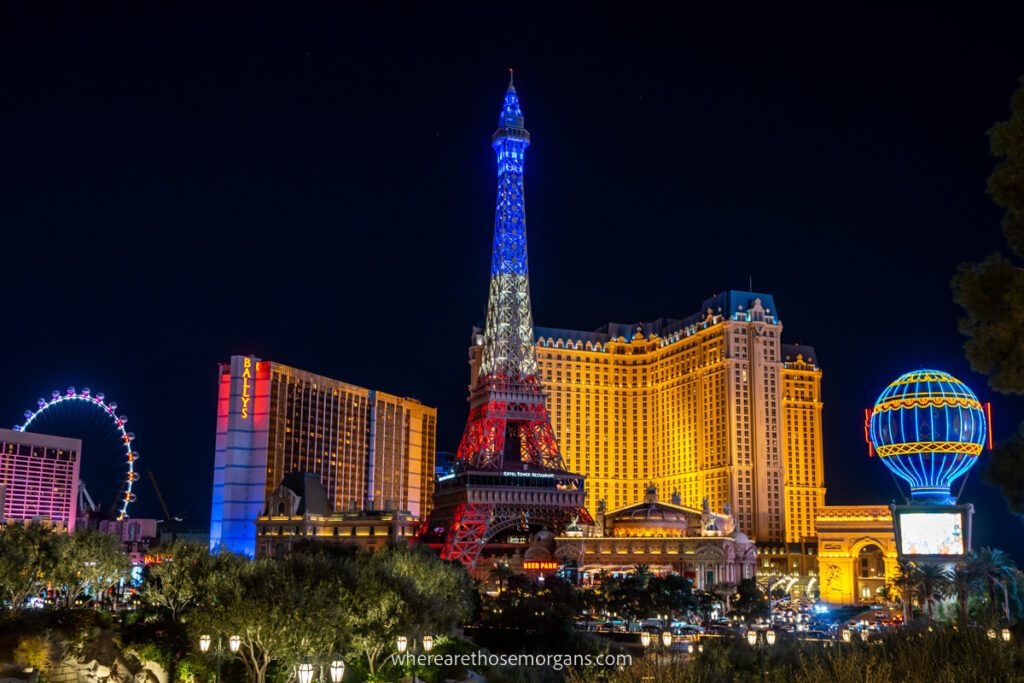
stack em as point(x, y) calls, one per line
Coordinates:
point(511, 85)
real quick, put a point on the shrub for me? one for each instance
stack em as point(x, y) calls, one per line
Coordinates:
point(34, 652)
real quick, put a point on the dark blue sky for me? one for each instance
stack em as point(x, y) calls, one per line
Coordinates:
point(315, 185)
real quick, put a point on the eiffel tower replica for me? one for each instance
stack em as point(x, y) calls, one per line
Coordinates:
point(509, 476)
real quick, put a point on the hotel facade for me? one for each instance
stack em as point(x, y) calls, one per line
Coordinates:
point(39, 478)
point(714, 405)
point(371, 450)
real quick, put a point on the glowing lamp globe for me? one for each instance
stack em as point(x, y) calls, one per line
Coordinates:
point(928, 428)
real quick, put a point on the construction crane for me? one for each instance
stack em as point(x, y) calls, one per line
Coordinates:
point(160, 497)
point(85, 501)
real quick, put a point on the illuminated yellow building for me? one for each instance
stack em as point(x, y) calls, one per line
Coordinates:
point(713, 406)
point(801, 413)
point(856, 552)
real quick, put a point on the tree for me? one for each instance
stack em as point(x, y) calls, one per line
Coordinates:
point(282, 610)
point(992, 296)
point(501, 573)
point(670, 594)
point(992, 292)
point(313, 603)
point(29, 554)
point(997, 570)
point(182, 578)
point(406, 591)
point(965, 581)
point(905, 585)
point(1005, 471)
point(751, 601)
point(90, 563)
point(932, 583)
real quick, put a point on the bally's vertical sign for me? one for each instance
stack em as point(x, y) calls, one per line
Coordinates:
point(247, 390)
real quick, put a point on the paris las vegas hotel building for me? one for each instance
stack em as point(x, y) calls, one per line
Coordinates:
point(711, 405)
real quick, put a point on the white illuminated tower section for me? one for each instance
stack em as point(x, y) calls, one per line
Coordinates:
point(509, 469)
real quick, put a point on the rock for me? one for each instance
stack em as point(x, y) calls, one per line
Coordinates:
point(157, 671)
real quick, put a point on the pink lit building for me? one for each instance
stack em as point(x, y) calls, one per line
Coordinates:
point(39, 477)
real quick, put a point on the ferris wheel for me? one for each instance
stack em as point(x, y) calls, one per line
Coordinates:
point(50, 411)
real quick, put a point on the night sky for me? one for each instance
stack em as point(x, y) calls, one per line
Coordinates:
point(316, 186)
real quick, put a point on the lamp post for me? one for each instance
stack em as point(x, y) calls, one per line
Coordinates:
point(1006, 635)
point(234, 642)
point(645, 639)
point(402, 644)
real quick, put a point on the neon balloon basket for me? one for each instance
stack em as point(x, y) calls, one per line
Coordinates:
point(928, 428)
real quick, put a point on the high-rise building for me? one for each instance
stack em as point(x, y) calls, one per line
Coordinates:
point(713, 405)
point(39, 476)
point(372, 450)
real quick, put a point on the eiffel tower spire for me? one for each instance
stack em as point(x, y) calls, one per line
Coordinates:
point(508, 333)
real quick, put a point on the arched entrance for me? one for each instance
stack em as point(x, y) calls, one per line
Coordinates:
point(869, 573)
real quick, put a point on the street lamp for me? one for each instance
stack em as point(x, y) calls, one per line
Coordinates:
point(991, 633)
point(205, 641)
point(337, 668)
point(846, 635)
point(666, 639)
point(1006, 634)
point(752, 637)
point(402, 645)
point(645, 639)
point(305, 672)
point(769, 637)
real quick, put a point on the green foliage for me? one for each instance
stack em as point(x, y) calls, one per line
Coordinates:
point(180, 582)
point(29, 556)
point(315, 602)
point(992, 292)
point(992, 296)
point(90, 563)
point(80, 565)
point(750, 600)
point(34, 651)
point(1006, 184)
point(1005, 470)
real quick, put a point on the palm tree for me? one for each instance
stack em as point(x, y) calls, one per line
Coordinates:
point(502, 572)
point(905, 583)
point(965, 580)
point(996, 568)
point(642, 574)
point(933, 583)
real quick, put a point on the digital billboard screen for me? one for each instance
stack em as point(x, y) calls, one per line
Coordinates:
point(931, 533)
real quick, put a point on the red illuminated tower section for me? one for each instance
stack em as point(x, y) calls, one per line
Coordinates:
point(509, 476)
